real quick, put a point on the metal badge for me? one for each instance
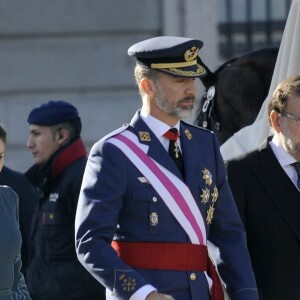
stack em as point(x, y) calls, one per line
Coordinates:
point(144, 136)
point(211, 92)
point(191, 54)
point(153, 219)
point(188, 134)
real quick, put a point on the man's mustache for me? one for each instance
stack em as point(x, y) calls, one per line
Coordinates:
point(188, 98)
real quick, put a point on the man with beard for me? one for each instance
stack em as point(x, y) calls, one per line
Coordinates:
point(266, 189)
point(155, 190)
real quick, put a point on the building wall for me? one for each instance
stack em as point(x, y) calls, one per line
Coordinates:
point(77, 51)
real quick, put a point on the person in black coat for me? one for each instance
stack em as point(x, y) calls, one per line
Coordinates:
point(264, 184)
point(27, 198)
point(54, 271)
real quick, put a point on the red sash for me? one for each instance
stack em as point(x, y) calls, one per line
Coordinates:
point(170, 256)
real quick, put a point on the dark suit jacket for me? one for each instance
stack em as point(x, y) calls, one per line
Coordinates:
point(269, 205)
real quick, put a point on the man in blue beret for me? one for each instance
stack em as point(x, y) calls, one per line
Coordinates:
point(53, 270)
point(155, 191)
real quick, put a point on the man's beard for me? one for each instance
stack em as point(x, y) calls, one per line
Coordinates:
point(173, 109)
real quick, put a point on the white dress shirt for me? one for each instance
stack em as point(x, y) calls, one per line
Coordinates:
point(284, 159)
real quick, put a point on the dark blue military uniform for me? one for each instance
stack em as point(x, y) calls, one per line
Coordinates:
point(114, 203)
point(118, 203)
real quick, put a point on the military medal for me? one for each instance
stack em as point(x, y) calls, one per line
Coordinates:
point(176, 149)
point(214, 194)
point(207, 176)
point(210, 214)
point(209, 193)
point(205, 195)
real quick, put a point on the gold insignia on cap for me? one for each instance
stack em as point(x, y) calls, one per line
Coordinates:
point(210, 214)
point(207, 176)
point(188, 134)
point(205, 195)
point(144, 136)
point(128, 284)
point(153, 219)
point(191, 54)
point(214, 194)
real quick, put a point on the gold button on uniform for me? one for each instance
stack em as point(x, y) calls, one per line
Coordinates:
point(193, 276)
point(154, 199)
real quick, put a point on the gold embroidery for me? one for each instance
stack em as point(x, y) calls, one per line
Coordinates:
point(191, 53)
point(174, 65)
point(200, 71)
point(128, 284)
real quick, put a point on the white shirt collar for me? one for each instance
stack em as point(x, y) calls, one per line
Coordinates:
point(158, 127)
point(282, 156)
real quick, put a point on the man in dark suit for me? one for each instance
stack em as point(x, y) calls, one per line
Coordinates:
point(264, 185)
point(157, 208)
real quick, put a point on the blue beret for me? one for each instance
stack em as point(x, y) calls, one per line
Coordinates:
point(176, 56)
point(52, 113)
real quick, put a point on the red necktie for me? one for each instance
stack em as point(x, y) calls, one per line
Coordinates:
point(174, 151)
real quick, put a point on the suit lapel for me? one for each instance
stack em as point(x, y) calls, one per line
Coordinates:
point(279, 187)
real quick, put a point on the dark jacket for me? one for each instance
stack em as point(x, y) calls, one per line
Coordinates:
point(54, 271)
point(27, 201)
point(269, 204)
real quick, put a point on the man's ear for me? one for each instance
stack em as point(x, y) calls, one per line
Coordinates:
point(275, 121)
point(148, 86)
point(63, 136)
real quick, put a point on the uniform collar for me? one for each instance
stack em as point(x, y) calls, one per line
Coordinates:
point(158, 127)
